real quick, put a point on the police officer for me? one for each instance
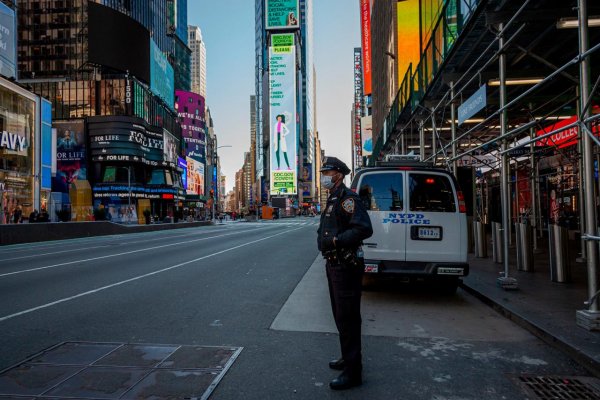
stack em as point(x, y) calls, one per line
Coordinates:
point(344, 225)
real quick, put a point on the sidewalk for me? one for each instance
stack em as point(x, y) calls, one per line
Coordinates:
point(545, 308)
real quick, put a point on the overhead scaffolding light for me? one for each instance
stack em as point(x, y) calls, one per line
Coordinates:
point(567, 23)
point(516, 81)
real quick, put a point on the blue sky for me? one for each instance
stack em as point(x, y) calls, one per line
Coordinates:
point(228, 30)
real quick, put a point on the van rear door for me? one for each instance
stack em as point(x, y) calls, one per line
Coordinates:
point(435, 227)
point(382, 192)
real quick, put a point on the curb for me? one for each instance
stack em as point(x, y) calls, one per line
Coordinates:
point(589, 363)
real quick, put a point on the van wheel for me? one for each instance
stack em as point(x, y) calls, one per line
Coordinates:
point(448, 286)
point(368, 282)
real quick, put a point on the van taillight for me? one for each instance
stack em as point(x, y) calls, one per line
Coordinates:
point(462, 207)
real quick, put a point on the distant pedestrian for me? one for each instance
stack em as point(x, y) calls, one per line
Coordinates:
point(18, 215)
point(33, 216)
point(344, 225)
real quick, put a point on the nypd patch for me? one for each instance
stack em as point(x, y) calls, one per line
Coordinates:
point(348, 206)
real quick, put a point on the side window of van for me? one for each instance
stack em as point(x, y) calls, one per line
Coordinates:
point(430, 192)
point(382, 191)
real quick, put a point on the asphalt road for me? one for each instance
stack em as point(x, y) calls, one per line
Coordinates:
point(259, 286)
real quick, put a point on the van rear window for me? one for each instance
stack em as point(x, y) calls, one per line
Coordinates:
point(430, 192)
point(382, 191)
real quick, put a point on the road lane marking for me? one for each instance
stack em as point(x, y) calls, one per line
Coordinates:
point(124, 253)
point(96, 247)
point(100, 289)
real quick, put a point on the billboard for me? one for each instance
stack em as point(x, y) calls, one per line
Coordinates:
point(170, 146)
point(282, 14)
point(8, 41)
point(195, 177)
point(70, 155)
point(282, 107)
point(366, 133)
point(365, 27)
point(122, 44)
point(190, 109)
point(358, 106)
point(162, 75)
point(182, 163)
point(409, 37)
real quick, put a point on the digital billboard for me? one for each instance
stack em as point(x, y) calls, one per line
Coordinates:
point(190, 109)
point(282, 14)
point(409, 39)
point(70, 155)
point(8, 41)
point(123, 44)
point(162, 75)
point(182, 163)
point(195, 177)
point(366, 133)
point(365, 27)
point(282, 107)
point(170, 146)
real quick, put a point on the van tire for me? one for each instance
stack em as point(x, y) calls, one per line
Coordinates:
point(447, 287)
point(368, 282)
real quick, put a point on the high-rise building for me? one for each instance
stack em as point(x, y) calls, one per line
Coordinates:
point(198, 60)
point(248, 196)
point(302, 117)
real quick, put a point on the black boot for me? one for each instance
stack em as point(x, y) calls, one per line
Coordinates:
point(346, 380)
point(337, 364)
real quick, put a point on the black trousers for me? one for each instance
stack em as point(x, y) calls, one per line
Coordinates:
point(345, 284)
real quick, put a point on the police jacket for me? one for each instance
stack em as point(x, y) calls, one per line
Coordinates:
point(345, 218)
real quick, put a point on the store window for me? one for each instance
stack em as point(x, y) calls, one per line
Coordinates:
point(17, 122)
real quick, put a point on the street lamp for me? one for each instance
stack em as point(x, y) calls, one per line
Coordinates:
point(216, 183)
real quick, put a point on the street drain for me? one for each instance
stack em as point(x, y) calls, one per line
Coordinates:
point(119, 371)
point(559, 387)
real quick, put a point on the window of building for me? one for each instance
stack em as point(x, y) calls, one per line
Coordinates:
point(157, 177)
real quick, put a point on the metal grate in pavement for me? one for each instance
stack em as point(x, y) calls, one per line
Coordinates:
point(118, 371)
point(559, 387)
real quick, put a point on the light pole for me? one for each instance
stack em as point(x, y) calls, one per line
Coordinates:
point(214, 160)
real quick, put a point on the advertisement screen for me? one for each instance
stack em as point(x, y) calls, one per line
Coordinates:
point(307, 173)
point(8, 40)
point(70, 155)
point(195, 177)
point(366, 133)
point(190, 110)
point(282, 14)
point(122, 44)
point(181, 163)
point(282, 94)
point(162, 75)
point(170, 148)
point(409, 50)
point(365, 22)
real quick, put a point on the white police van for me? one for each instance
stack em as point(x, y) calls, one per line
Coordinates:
point(419, 221)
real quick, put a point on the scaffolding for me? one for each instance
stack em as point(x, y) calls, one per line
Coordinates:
point(503, 42)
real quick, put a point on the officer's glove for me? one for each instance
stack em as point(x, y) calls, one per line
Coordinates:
point(327, 244)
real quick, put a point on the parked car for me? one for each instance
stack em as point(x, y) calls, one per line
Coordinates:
point(419, 222)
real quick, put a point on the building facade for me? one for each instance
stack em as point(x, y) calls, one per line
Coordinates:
point(198, 60)
point(112, 92)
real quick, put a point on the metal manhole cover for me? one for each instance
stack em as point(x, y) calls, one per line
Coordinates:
point(559, 387)
point(119, 371)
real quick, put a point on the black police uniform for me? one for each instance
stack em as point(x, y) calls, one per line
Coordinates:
point(345, 218)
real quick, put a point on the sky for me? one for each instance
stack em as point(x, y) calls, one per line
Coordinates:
point(228, 31)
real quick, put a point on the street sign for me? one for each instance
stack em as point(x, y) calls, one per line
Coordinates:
point(472, 105)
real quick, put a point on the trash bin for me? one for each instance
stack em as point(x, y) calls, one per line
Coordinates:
point(560, 270)
point(497, 240)
point(524, 247)
point(480, 239)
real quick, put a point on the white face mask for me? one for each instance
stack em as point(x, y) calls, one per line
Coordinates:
point(327, 182)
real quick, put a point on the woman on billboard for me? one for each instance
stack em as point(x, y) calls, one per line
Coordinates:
point(281, 131)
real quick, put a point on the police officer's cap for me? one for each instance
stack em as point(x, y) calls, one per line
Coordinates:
point(334, 164)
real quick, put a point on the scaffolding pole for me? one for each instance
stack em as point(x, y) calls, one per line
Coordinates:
point(422, 139)
point(590, 318)
point(453, 129)
point(504, 281)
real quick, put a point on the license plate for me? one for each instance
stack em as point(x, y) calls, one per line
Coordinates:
point(429, 233)
point(371, 268)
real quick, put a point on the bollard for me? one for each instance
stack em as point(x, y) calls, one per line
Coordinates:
point(524, 247)
point(471, 240)
point(480, 239)
point(497, 241)
point(560, 270)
